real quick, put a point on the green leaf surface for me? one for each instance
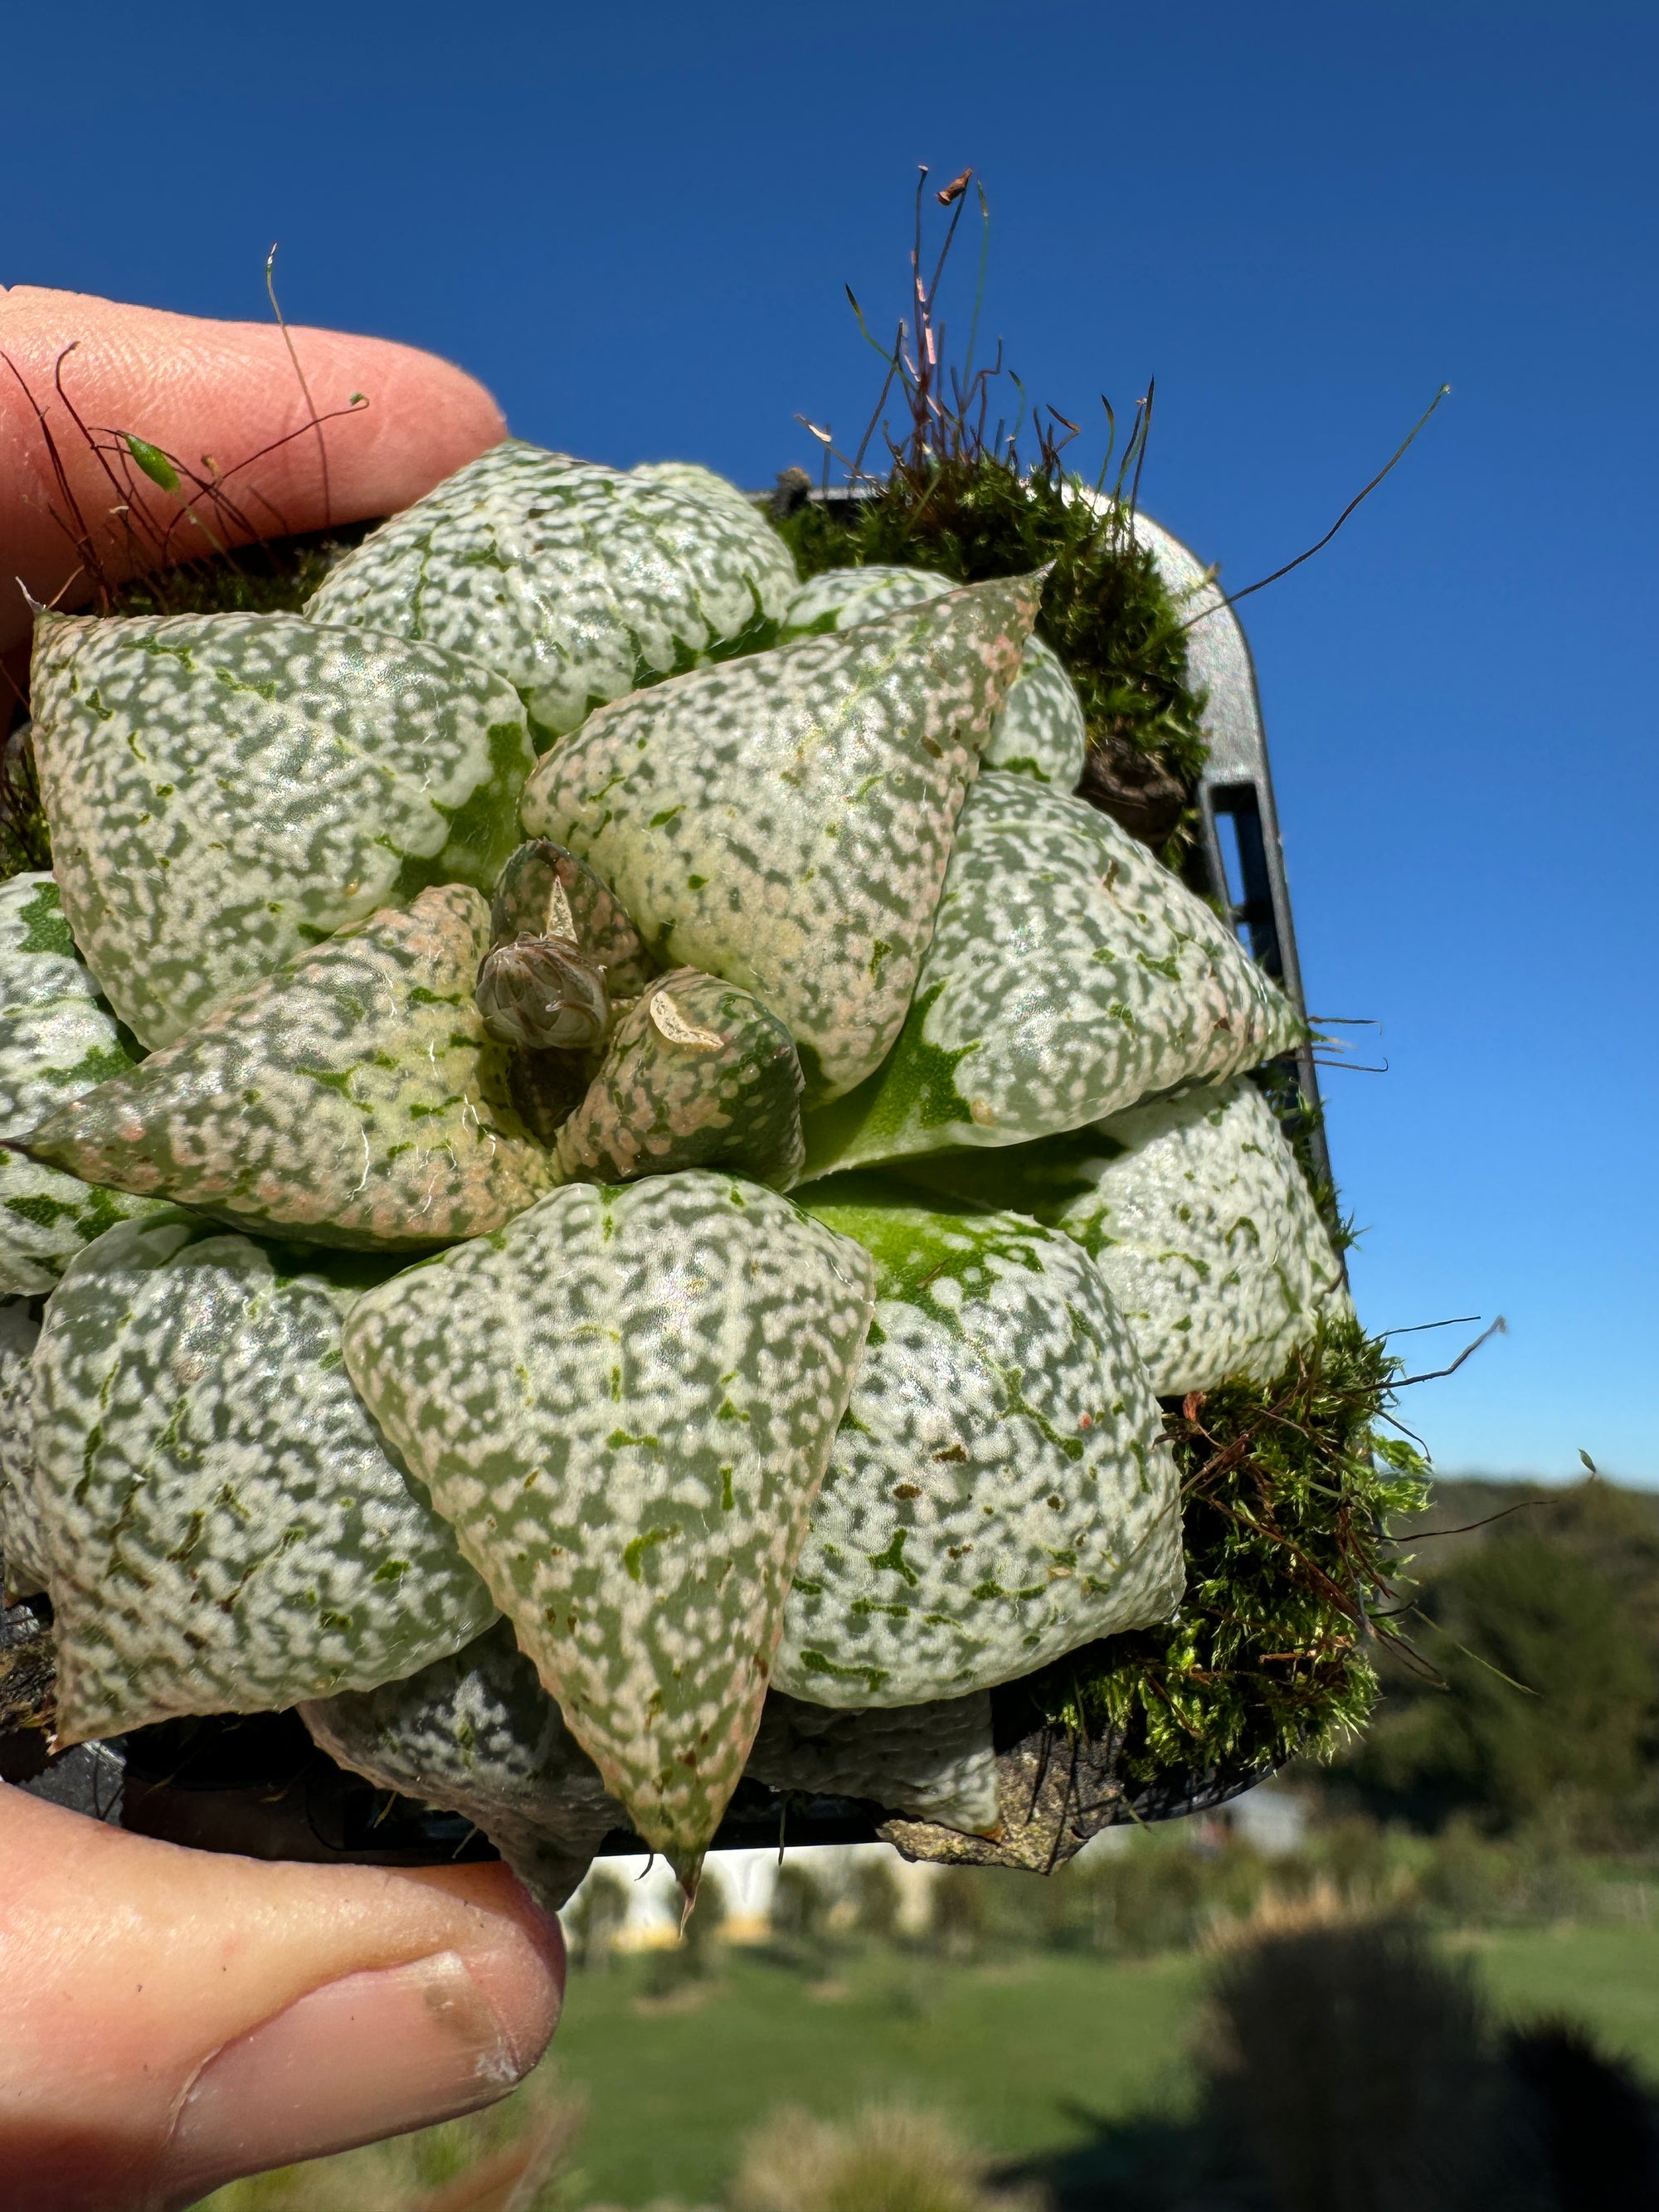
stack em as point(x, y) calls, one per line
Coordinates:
point(1195, 1212)
point(477, 1734)
point(697, 1074)
point(58, 1038)
point(22, 1551)
point(785, 820)
point(353, 1099)
point(574, 581)
point(999, 1491)
point(223, 1528)
point(1070, 975)
point(936, 1762)
point(623, 1402)
point(224, 790)
point(1038, 730)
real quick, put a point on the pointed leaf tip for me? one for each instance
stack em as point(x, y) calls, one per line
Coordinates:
point(623, 1404)
point(353, 1099)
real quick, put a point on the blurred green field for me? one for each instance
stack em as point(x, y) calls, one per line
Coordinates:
point(1024, 2053)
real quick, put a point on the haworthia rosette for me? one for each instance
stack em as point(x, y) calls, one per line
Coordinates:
point(1038, 730)
point(223, 1528)
point(225, 790)
point(58, 1037)
point(935, 1762)
point(785, 820)
point(1070, 975)
point(352, 1099)
point(574, 581)
point(623, 1402)
point(477, 1734)
point(1000, 1491)
point(697, 1074)
point(23, 1552)
point(1195, 1212)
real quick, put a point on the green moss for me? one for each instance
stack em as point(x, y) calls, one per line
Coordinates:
point(1288, 1490)
point(276, 577)
point(25, 841)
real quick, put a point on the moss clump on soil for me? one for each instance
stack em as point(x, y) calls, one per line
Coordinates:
point(25, 840)
point(1288, 1492)
point(971, 514)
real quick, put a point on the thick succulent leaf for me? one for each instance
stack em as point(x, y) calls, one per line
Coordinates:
point(22, 1554)
point(224, 1529)
point(545, 891)
point(58, 1038)
point(785, 820)
point(623, 1402)
point(353, 1099)
point(46, 1217)
point(1038, 730)
point(1195, 1212)
point(575, 582)
point(1070, 975)
point(477, 1734)
point(698, 1074)
point(57, 1034)
point(936, 1762)
point(1000, 1490)
point(225, 790)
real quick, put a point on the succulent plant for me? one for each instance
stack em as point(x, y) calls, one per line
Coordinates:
point(413, 1133)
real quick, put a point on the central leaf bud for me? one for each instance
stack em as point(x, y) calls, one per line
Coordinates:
point(541, 994)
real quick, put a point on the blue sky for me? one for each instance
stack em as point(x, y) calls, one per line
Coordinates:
point(635, 224)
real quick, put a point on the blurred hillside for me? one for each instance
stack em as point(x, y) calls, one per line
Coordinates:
point(1529, 1697)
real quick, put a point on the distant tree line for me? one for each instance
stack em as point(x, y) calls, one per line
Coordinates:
point(1532, 1695)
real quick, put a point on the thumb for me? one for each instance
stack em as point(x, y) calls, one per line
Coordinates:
point(194, 388)
point(174, 2019)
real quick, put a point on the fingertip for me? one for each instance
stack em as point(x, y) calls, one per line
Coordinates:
point(238, 404)
point(518, 1956)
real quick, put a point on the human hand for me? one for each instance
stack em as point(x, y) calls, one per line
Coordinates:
point(169, 2019)
point(194, 388)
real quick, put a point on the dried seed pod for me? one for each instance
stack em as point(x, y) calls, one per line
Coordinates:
point(544, 891)
point(698, 1073)
point(542, 993)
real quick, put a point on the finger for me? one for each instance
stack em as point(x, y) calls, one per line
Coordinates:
point(223, 391)
point(170, 2019)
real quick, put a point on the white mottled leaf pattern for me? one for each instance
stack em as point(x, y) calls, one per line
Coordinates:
point(623, 1402)
point(477, 1734)
point(574, 581)
point(21, 1552)
point(1197, 1213)
point(353, 1099)
point(935, 1762)
point(1000, 1491)
point(785, 820)
point(1038, 730)
point(222, 1528)
point(58, 1038)
point(1070, 976)
point(225, 790)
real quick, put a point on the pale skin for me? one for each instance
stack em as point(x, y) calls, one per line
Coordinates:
point(170, 2019)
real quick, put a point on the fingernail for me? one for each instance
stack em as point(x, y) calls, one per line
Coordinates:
point(368, 2056)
